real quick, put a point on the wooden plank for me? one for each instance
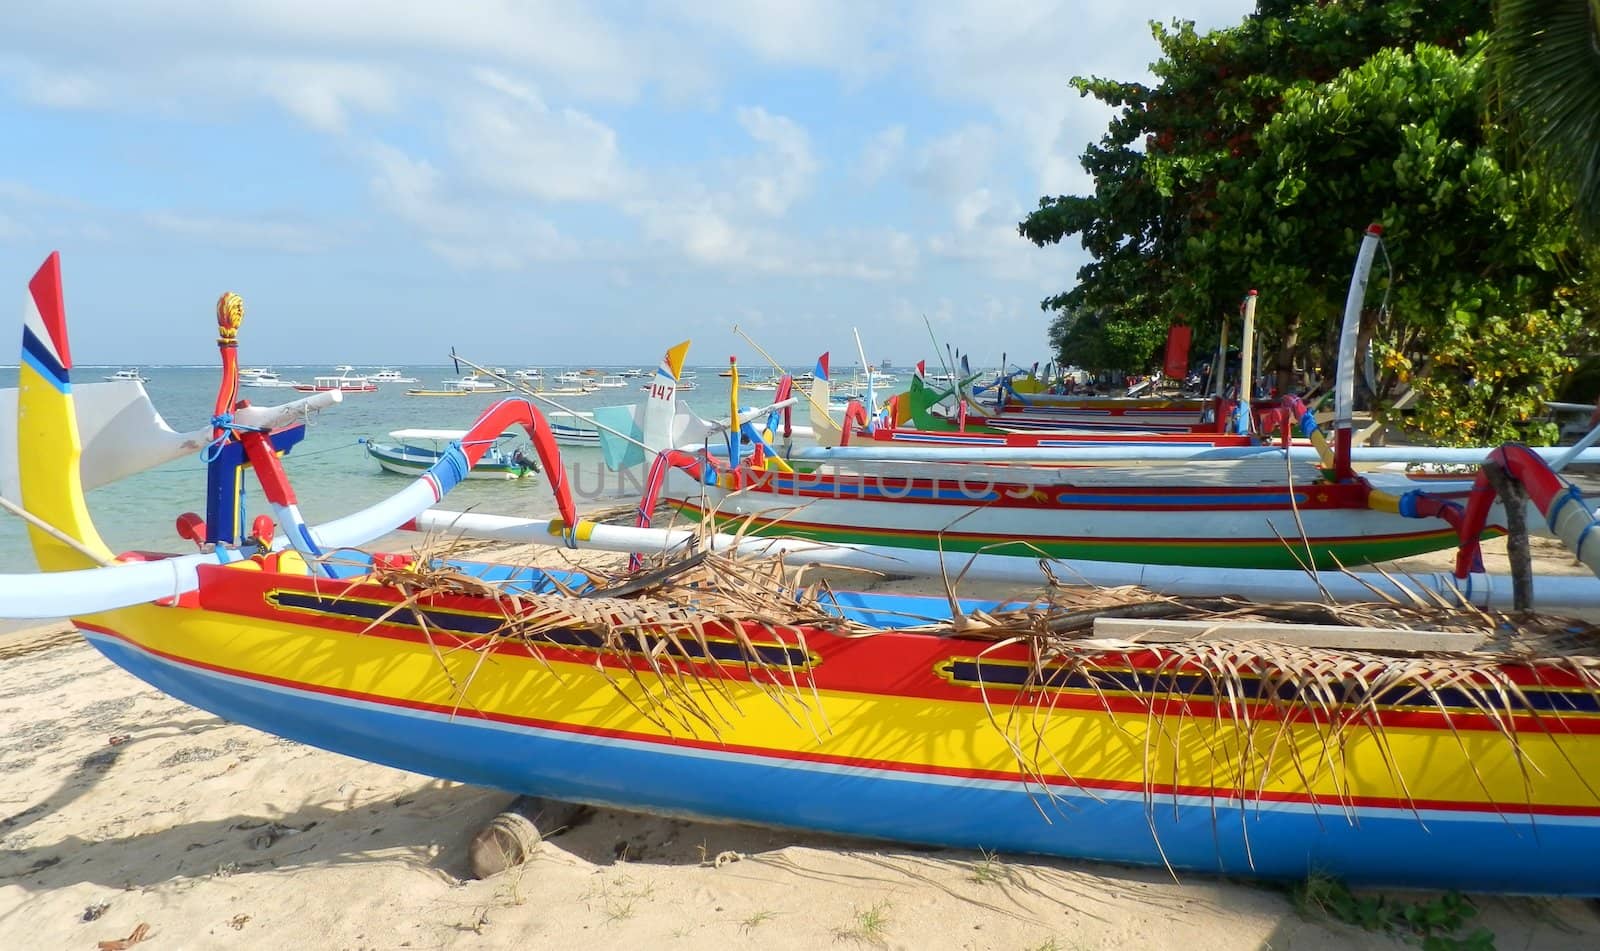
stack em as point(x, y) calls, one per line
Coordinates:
point(1159, 631)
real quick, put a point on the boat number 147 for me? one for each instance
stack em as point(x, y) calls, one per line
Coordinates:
point(661, 391)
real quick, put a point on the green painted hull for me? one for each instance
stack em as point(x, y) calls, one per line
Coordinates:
point(1234, 553)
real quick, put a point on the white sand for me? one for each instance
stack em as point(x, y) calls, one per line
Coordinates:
point(214, 835)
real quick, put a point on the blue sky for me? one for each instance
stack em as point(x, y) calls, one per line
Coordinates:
point(551, 183)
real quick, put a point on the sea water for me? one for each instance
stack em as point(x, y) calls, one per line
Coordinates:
point(330, 470)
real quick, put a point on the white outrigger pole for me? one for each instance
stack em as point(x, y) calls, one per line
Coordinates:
point(1344, 405)
point(1484, 590)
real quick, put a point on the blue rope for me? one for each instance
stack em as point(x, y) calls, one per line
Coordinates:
point(224, 422)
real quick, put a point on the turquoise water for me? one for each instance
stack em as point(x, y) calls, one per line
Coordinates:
point(330, 470)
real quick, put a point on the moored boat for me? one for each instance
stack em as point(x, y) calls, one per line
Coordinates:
point(470, 385)
point(574, 429)
point(391, 375)
point(414, 451)
point(266, 379)
point(348, 381)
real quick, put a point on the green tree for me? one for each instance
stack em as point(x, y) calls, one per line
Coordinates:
point(1483, 252)
point(1548, 54)
point(1268, 147)
point(1158, 167)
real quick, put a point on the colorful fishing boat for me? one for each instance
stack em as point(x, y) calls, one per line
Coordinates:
point(414, 451)
point(861, 714)
point(1263, 512)
point(909, 419)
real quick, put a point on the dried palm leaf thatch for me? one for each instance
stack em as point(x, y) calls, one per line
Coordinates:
point(1237, 710)
point(669, 617)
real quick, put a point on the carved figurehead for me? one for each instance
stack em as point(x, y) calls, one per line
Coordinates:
point(230, 315)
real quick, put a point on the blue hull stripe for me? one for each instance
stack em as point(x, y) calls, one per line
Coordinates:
point(1366, 846)
point(35, 354)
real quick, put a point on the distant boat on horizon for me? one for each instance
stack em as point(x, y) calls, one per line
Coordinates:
point(346, 382)
point(391, 375)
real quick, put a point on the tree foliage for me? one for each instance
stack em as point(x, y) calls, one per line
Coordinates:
point(1548, 54)
point(1261, 155)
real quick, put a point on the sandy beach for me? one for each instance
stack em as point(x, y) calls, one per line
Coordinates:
point(124, 813)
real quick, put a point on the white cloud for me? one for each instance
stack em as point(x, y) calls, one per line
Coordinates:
point(834, 34)
point(561, 40)
point(709, 238)
point(322, 94)
point(985, 233)
point(467, 234)
point(512, 113)
point(785, 169)
point(881, 154)
point(514, 141)
point(958, 162)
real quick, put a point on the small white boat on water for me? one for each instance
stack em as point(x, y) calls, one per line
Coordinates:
point(348, 381)
point(611, 381)
point(474, 383)
point(266, 379)
point(391, 375)
point(131, 376)
point(529, 375)
point(469, 385)
point(633, 374)
point(414, 450)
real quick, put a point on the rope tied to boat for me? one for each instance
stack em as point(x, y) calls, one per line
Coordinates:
point(226, 429)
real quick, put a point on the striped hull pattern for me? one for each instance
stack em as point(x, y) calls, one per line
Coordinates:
point(987, 438)
point(1247, 526)
point(579, 436)
point(889, 737)
point(401, 462)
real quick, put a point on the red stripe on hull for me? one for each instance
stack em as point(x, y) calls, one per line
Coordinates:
point(1155, 791)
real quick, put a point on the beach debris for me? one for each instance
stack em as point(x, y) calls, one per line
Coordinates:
point(94, 911)
point(727, 857)
point(510, 838)
point(272, 832)
point(118, 739)
point(237, 922)
point(123, 944)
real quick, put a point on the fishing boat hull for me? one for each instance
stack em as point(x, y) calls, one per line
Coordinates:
point(1097, 514)
point(576, 436)
point(896, 736)
point(410, 461)
point(452, 390)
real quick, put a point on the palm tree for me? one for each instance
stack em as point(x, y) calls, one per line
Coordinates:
point(1548, 54)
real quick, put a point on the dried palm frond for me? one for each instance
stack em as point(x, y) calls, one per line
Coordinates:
point(670, 638)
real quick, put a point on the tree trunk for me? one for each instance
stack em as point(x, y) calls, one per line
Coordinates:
point(1287, 382)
